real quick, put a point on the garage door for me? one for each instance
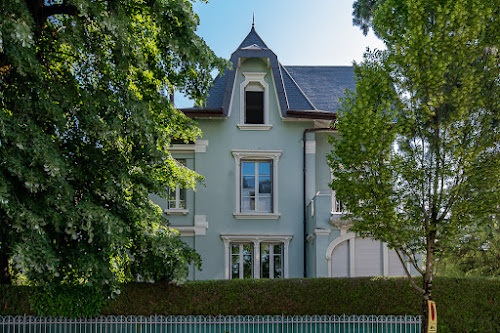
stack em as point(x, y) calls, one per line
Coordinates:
point(358, 256)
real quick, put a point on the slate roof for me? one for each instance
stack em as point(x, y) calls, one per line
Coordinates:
point(303, 91)
point(323, 85)
point(253, 41)
point(216, 92)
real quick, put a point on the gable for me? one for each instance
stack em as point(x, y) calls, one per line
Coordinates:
point(302, 91)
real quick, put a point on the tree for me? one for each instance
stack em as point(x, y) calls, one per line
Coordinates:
point(363, 13)
point(85, 127)
point(475, 254)
point(418, 161)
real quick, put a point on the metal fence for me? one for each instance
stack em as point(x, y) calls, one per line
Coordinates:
point(210, 324)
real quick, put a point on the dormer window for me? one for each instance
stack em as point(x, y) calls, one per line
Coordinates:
point(254, 106)
point(254, 102)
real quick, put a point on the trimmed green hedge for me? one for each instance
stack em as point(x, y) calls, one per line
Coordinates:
point(464, 305)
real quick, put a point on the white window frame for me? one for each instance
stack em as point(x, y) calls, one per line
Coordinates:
point(241, 269)
point(177, 209)
point(272, 256)
point(257, 155)
point(257, 193)
point(251, 83)
point(256, 240)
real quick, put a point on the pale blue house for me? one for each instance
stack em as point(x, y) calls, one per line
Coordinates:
point(266, 210)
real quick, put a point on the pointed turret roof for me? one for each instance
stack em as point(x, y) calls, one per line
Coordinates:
point(253, 41)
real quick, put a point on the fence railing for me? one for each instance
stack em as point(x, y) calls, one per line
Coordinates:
point(210, 324)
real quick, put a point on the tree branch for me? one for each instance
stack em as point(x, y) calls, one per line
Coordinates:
point(413, 261)
point(420, 290)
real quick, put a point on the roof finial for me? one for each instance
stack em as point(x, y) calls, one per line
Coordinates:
point(253, 20)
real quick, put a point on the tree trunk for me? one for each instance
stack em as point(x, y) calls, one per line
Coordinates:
point(428, 279)
point(427, 296)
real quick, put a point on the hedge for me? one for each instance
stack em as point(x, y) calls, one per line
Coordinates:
point(464, 305)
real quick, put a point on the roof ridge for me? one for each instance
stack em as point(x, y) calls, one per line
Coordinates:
point(300, 89)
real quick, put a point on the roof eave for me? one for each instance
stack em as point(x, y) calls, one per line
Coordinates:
point(311, 114)
point(203, 113)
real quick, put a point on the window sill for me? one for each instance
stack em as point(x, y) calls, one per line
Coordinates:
point(255, 127)
point(177, 212)
point(257, 216)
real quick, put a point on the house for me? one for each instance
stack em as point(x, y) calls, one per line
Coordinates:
point(266, 210)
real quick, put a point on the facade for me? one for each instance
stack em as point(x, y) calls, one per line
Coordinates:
point(265, 210)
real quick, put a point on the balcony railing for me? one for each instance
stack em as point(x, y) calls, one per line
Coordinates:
point(337, 206)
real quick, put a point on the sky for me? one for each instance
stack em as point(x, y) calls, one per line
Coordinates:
point(312, 32)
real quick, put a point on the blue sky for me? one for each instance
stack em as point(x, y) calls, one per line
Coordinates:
point(313, 32)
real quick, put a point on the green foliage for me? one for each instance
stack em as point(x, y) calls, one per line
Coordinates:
point(475, 254)
point(85, 127)
point(418, 162)
point(362, 13)
point(14, 300)
point(161, 256)
point(463, 305)
point(67, 301)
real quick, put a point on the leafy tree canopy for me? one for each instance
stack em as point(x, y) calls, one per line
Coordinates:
point(475, 254)
point(85, 127)
point(419, 158)
point(363, 13)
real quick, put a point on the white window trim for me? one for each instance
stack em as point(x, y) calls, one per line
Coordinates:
point(273, 155)
point(256, 240)
point(241, 267)
point(254, 78)
point(176, 210)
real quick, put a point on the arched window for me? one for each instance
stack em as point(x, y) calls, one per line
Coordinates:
point(254, 104)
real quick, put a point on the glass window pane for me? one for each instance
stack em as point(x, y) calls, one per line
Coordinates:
point(248, 168)
point(235, 248)
point(248, 261)
point(247, 267)
point(265, 184)
point(254, 107)
point(265, 168)
point(248, 182)
point(278, 249)
point(278, 267)
point(171, 194)
point(235, 266)
point(247, 204)
point(247, 249)
point(265, 204)
point(264, 261)
point(248, 192)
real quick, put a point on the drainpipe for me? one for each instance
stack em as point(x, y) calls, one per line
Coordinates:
point(304, 171)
